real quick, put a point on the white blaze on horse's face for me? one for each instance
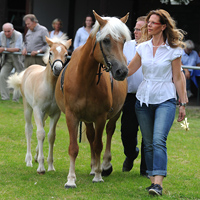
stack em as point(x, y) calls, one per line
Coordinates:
point(58, 49)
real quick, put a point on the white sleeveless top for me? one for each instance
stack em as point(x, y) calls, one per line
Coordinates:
point(157, 85)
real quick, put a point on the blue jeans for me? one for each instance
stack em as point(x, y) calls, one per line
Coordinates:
point(155, 122)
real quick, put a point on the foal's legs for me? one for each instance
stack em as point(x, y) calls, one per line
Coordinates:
point(51, 138)
point(37, 148)
point(110, 128)
point(90, 136)
point(38, 116)
point(28, 131)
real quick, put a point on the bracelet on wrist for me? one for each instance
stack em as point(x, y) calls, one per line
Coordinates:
point(182, 104)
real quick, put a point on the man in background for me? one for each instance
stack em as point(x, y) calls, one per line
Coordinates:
point(129, 122)
point(10, 41)
point(191, 58)
point(35, 41)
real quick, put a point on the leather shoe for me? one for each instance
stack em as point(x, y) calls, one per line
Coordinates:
point(127, 165)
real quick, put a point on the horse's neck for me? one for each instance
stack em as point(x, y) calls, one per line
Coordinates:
point(87, 64)
point(48, 76)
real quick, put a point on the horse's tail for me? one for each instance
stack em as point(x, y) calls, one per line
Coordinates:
point(14, 81)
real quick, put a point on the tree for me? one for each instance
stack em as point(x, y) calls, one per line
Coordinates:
point(176, 2)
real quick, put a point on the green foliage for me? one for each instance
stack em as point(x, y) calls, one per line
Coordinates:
point(20, 182)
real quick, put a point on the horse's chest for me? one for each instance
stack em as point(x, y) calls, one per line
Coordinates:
point(50, 107)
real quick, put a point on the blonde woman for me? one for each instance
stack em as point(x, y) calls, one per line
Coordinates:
point(57, 25)
point(159, 54)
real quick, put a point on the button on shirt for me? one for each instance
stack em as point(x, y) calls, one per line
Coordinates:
point(135, 79)
point(157, 85)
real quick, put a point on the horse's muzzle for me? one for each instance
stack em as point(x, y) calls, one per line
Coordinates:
point(120, 74)
point(57, 68)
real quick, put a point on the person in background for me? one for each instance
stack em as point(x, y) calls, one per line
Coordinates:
point(57, 25)
point(83, 32)
point(191, 58)
point(35, 41)
point(10, 41)
point(129, 122)
point(159, 53)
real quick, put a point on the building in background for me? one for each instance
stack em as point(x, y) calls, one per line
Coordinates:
point(72, 12)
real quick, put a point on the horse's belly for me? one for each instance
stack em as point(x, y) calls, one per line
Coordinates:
point(88, 111)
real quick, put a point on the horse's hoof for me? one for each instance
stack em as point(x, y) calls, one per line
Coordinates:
point(41, 173)
point(92, 173)
point(29, 164)
point(51, 169)
point(99, 181)
point(107, 172)
point(70, 186)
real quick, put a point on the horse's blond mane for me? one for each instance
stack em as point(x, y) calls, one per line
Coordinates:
point(58, 40)
point(114, 27)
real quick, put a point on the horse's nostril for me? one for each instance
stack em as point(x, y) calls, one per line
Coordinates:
point(121, 72)
point(118, 72)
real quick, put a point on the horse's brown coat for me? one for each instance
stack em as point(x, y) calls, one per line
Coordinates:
point(84, 100)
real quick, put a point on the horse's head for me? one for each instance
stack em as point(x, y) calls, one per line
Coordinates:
point(57, 53)
point(109, 34)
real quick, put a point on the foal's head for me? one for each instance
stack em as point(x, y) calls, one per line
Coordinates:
point(110, 34)
point(57, 53)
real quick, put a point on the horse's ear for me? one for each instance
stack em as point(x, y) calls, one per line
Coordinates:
point(125, 18)
point(49, 42)
point(68, 43)
point(101, 21)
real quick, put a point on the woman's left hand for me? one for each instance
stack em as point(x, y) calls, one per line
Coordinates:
point(182, 113)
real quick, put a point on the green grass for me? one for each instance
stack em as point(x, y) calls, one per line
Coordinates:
point(20, 182)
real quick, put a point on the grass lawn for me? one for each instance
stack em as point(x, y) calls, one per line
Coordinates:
point(20, 182)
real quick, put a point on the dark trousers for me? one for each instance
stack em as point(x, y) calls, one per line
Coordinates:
point(129, 130)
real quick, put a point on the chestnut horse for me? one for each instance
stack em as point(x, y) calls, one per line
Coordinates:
point(37, 86)
point(85, 96)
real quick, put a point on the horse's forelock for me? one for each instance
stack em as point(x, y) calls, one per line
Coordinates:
point(114, 27)
point(60, 40)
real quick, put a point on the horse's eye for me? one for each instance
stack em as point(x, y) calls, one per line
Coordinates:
point(106, 41)
point(50, 53)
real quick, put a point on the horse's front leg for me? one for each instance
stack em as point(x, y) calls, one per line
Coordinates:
point(98, 146)
point(90, 136)
point(28, 132)
point(38, 116)
point(110, 128)
point(72, 124)
point(51, 138)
